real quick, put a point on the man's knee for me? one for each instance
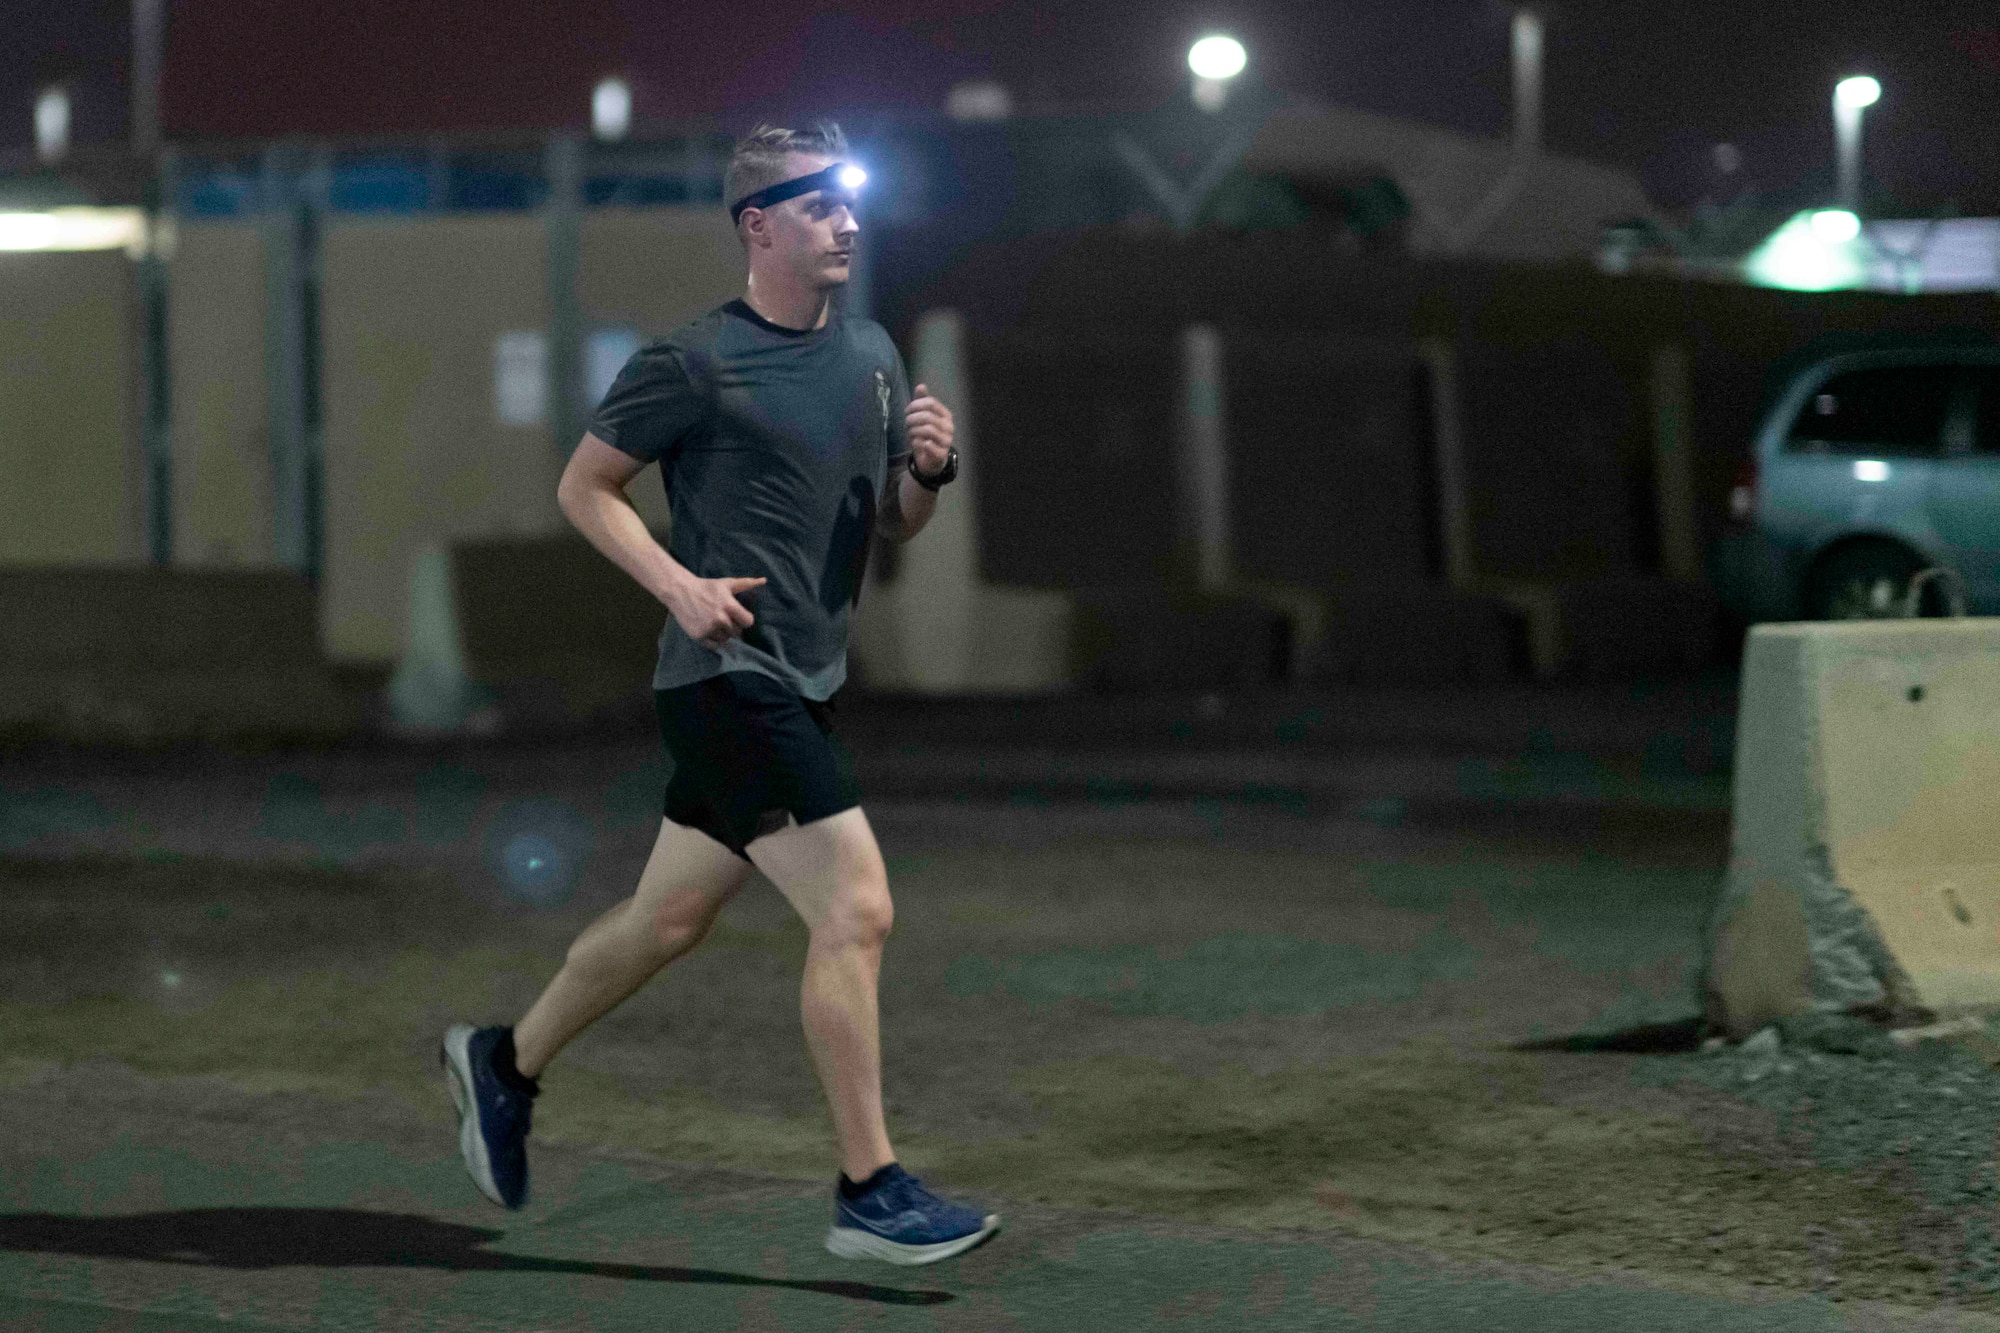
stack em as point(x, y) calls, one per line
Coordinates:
point(861, 915)
point(683, 921)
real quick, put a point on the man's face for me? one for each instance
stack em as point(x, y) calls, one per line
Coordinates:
point(813, 235)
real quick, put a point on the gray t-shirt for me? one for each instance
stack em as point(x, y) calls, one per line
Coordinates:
point(774, 445)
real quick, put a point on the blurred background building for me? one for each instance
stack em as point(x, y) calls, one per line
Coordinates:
point(1259, 389)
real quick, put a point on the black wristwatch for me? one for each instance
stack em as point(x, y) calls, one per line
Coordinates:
point(936, 481)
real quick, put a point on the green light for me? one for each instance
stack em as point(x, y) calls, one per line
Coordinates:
point(1835, 226)
point(1814, 252)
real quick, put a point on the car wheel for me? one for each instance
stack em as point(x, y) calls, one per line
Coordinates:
point(1867, 582)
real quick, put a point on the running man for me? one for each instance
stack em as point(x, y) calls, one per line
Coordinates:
point(785, 434)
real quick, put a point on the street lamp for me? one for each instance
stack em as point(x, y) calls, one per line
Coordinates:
point(52, 124)
point(611, 109)
point(1851, 96)
point(1215, 60)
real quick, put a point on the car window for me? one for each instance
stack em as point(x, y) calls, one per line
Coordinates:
point(1986, 421)
point(1893, 410)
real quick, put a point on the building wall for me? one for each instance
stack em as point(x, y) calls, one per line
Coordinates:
point(72, 471)
point(652, 270)
point(656, 268)
point(1075, 444)
point(1327, 477)
point(415, 450)
point(223, 508)
point(1553, 378)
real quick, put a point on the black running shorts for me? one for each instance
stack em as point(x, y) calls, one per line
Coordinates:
point(750, 756)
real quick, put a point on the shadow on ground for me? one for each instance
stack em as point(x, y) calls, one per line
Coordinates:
point(1680, 1035)
point(255, 1238)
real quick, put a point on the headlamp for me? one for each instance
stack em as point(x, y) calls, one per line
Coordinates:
point(842, 178)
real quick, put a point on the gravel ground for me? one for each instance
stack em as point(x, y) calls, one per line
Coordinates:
point(1925, 1119)
point(1423, 996)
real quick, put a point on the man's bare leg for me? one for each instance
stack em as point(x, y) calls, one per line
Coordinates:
point(687, 879)
point(832, 873)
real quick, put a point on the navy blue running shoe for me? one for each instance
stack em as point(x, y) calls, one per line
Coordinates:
point(901, 1222)
point(493, 1118)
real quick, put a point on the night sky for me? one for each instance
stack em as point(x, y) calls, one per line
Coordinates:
point(1653, 88)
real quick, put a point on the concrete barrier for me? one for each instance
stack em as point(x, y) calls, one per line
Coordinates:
point(148, 656)
point(1865, 871)
point(1134, 638)
point(1414, 634)
point(1614, 627)
point(558, 633)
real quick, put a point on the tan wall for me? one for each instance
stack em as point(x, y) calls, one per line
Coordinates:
point(655, 269)
point(72, 470)
point(221, 410)
point(415, 453)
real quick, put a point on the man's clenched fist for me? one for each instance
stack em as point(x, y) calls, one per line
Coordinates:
point(930, 432)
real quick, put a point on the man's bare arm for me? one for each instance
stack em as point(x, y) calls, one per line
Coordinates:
point(592, 496)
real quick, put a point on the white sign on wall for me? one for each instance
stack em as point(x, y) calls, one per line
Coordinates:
point(521, 377)
point(605, 354)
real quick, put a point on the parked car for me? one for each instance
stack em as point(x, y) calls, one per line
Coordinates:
point(1870, 468)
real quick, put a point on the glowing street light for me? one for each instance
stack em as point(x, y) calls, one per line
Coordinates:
point(1851, 96)
point(1215, 60)
point(1859, 91)
point(611, 109)
point(52, 124)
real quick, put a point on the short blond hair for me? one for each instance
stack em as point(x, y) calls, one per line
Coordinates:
point(759, 160)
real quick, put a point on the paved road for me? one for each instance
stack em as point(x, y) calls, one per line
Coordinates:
point(185, 1205)
point(227, 1214)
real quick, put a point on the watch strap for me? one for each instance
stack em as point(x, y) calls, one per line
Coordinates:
point(938, 481)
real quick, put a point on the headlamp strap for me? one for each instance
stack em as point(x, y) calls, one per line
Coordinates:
point(825, 179)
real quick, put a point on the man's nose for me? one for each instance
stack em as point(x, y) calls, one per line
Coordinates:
point(845, 223)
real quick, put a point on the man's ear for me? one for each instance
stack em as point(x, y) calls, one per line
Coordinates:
point(755, 230)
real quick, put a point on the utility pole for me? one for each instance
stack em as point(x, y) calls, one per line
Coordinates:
point(149, 19)
point(156, 422)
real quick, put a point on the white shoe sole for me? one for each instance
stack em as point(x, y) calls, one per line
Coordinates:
point(854, 1243)
point(457, 1060)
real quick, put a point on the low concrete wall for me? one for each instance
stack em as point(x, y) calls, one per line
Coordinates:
point(1614, 627)
point(1414, 634)
point(1865, 874)
point(1134, 638)
point(557, 632)
point(148, 656)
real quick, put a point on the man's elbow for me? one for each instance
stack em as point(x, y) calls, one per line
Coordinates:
point(566, 496)
point(574, 494)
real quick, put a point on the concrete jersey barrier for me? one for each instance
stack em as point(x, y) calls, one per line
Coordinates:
point(1865, 868)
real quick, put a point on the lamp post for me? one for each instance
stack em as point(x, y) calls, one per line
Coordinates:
point(1852, 96)
point(1215, 60)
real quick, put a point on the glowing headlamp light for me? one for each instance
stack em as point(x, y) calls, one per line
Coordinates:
point(842, 178)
